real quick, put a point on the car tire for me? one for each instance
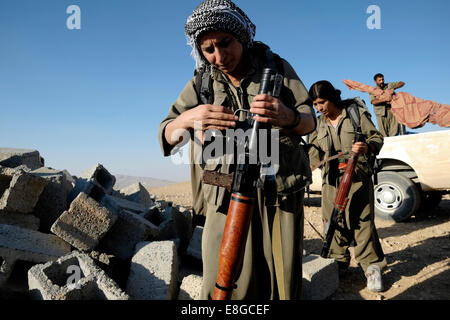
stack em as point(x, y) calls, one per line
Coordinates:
point(396, 197)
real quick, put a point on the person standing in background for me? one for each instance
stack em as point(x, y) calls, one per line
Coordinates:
point(387, 123)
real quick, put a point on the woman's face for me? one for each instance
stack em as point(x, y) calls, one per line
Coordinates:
point(222, 50)
point(325, 107)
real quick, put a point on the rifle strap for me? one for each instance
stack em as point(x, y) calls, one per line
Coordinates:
point(314, 228)
point(277, 251)
point(355, 118)
point(340, 155)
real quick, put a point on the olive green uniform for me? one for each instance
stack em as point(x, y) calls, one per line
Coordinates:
point(271, 266)
point(387, 123)
point(358, 223)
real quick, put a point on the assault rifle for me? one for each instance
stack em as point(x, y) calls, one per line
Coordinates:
point(341, 199)
point(242, 184)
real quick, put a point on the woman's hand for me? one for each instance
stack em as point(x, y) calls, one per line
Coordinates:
point(360, 148)
point(201, 118)
point(270, 110)
point(207, 116)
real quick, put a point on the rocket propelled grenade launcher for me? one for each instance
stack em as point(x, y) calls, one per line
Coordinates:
point(243, 199)
point(340, 202)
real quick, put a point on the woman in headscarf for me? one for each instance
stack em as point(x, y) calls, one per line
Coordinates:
point(335, 134)
point(221, 36)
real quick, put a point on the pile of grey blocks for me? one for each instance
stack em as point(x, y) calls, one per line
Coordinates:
point(64, 237)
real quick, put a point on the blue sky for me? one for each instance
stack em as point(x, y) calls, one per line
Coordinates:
point(98, 94)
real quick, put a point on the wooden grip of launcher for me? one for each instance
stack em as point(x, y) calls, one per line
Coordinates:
point(341, 199)
point(340, 202)
point(233, 244)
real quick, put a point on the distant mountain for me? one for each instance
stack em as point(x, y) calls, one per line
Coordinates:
point(123, 181)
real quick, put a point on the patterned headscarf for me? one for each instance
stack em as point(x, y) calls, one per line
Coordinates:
point(217, 15)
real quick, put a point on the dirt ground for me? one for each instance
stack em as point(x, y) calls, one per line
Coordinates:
point(417, 251)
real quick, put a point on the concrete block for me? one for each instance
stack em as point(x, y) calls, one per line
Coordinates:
point(129, 230)
point(190, 288)
point(27, 245)
point(19, 190)
point(71, 179)
point(188, 266)
point(101, 176)
point(72, 277)
point(23, 220)
point(115, 268)
point(53, 200)
point(195, 245)
point(320, 277)
point(84, 224)
point(173, 222)
point(11, 157)
point(95, 181)
point(91, 188)
point(165, 222)
point(116, 204)
point(137, 193)
point(152, 214)
point(153, 271)
point(183, 224)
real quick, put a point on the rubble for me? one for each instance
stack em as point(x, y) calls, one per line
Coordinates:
point(53, 200)
point(126, 233)
point(137, 193)
point(27, 245)
point(154, 271)
point(86, 281)
point(23, 220)
point(77, 238)
point(96, 182)
point(13, 158)
point(20, 190)
point(190, 287)
point(320, 277)
point(85, 223)
point(53, 221)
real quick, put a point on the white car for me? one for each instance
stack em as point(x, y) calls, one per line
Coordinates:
point(413, 169)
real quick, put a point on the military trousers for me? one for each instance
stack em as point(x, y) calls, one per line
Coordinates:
point(356, 227)
point(388, 124)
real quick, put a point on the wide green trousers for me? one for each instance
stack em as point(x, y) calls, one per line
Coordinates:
point(388, 124)
point(359, 225)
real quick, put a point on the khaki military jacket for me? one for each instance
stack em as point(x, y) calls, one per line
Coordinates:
point(293, 171)
point(380, 110)
point(322, 139)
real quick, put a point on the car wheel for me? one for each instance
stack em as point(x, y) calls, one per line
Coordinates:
point(396, 197)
